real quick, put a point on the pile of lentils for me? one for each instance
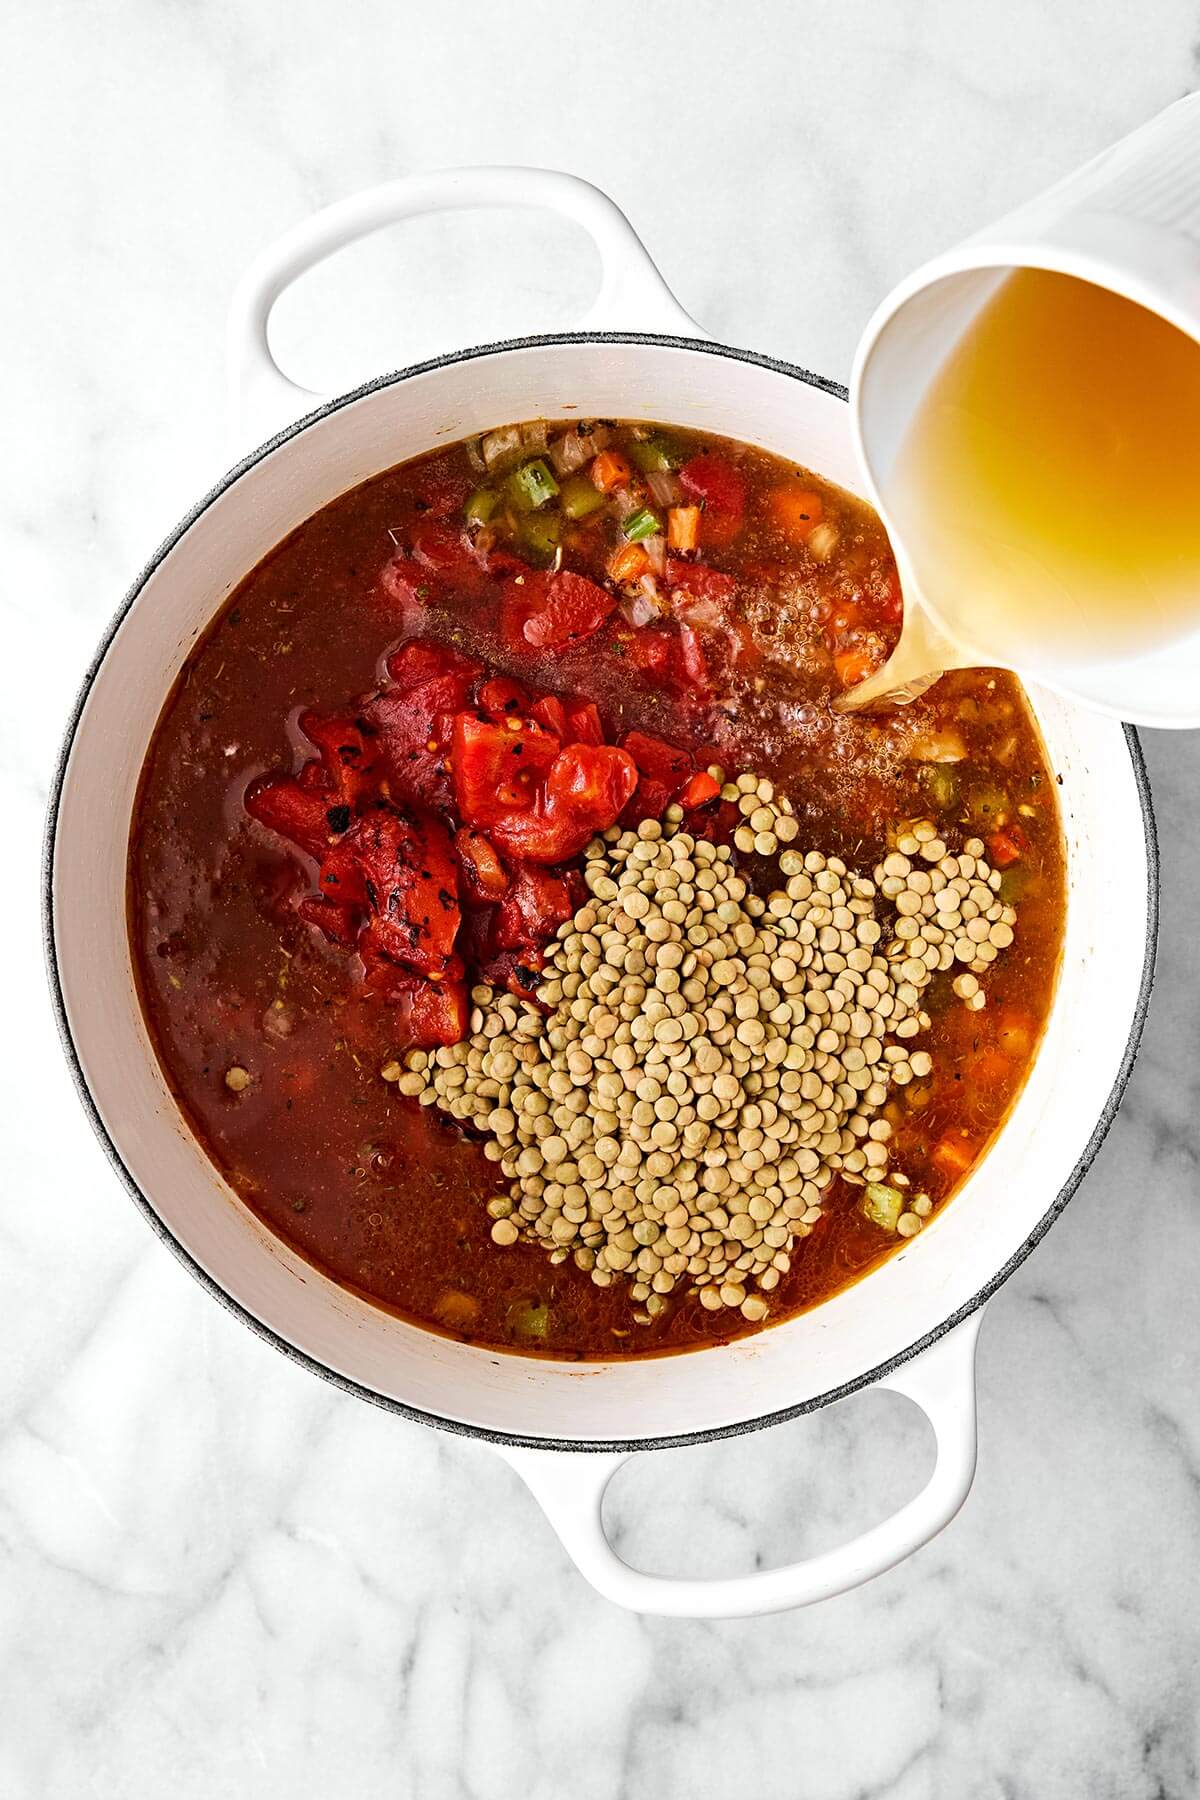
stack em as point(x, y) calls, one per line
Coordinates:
point(703, 1061)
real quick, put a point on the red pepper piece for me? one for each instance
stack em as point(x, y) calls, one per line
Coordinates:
point(411, 884)
point(301, 816)
point(573, 609)
point(498, 769)
point(721, 488)
point(482, 870)
point(585, 790)
point(536, 905)
point(699, 791)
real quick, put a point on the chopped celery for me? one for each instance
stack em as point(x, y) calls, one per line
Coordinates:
point(882, 1205)
point(987, 805)
point(581, 496)
point(481, 506)
point(531, 486)
point(538, 535)
point(654, 454)
point(641, 524)
point(1016, 882)
point(940, 781)
point(529, 1318)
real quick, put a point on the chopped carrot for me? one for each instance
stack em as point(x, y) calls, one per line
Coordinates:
point(683, 527)
point(1004, 849)
point(853, 665)
point(796, 509)
point(629, 562)
point(953, 1155)
point(610, 470)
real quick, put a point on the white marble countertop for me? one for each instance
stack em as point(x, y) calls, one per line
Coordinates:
point(220, 1576)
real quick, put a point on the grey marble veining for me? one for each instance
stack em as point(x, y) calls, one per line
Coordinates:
point(221, 1578)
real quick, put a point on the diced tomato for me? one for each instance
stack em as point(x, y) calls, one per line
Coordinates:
point(583, 723)
point(586, 787)
point(652, 650)
point(301, 816)
point(654, 756)
point(406, 586)
point(550, 712)
point(348, 752)
point(501, 696)
point(694, 669)
point(411, 884)
point(721, 488)
point(413, 748)
point(573, 608)
point(498, 768)
point(446, 551)
point(482, 870)
point(536, 905)
point(701, 582)
point(339, 923)
point(521, 597)
point(413, 719)
point(417, 663)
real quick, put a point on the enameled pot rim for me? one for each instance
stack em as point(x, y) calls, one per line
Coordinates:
point(780, 1414)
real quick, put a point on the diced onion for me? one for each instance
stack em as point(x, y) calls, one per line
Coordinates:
point(569, 452)
point(501, 447)
point(641, 608)
point(656, 549)
point(665, 487)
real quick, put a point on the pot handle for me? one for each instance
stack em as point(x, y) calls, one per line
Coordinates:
point(570, 1485)
point(632, 293)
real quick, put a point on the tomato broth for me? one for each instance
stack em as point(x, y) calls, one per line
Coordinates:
point(694, 590)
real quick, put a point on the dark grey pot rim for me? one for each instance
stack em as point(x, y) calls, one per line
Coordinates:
point(301, 1357)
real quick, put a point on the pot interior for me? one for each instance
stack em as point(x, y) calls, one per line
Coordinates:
point(1004, 1204)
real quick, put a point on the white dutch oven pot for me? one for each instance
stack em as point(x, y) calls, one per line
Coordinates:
point(566, 1427)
